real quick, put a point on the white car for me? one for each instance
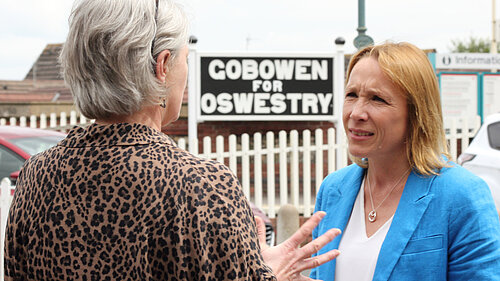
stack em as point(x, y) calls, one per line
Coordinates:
point(482, 157)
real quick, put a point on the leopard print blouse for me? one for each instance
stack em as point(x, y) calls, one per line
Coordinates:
point(123, 202)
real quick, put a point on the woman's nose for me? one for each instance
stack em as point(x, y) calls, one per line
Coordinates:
point(358, 111)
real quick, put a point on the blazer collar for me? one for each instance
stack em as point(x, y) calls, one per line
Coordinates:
point(412, 205)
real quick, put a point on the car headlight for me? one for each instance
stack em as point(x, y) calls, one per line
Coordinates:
point(465, 157)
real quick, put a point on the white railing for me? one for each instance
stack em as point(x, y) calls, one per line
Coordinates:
point(287, 168)
point(63, 122)
point(460, 132)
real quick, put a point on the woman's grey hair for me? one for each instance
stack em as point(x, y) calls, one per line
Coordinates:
point(107, 60)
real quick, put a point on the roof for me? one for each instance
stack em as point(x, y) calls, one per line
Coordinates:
point(34, 91)
point(46, 67)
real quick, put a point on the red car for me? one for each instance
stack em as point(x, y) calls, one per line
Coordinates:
point(17, 144)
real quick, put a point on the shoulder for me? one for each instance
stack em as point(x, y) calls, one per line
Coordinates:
point(459, 184)
point(211, 180)
point(203, 167)
point(456, 190)
point(346, 174)
point(339, 181)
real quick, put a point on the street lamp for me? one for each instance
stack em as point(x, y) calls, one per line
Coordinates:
point(362, 40)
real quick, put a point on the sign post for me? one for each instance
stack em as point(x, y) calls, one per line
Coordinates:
point(339, 100)
point(192, 100)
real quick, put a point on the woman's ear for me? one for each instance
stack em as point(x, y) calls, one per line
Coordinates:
point(161, 65)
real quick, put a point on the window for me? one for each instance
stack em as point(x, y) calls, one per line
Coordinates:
point(9, 162)
point(494, 135)
point(34, 145)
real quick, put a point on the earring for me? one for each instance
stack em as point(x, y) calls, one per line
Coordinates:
point(163, 103)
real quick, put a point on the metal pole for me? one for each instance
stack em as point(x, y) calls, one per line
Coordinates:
point(192, 97)
point(361, 17)
point(362, 40)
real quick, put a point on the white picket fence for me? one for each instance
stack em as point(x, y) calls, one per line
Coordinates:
point(63, 122)
point(294, 165)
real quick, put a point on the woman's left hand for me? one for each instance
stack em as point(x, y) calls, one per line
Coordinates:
point(287, 260)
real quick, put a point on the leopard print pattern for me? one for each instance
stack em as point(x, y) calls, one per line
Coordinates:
point(123, 202)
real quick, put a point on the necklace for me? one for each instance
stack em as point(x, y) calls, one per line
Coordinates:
point(372, 216)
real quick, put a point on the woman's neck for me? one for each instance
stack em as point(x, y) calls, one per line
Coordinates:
point(384, 172)
point(150, 116)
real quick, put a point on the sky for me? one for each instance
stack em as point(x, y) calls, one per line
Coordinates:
point(289, 26)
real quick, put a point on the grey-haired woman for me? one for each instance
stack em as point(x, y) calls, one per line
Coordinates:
point(118, 200)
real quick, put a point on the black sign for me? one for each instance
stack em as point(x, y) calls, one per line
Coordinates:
point(257, 88)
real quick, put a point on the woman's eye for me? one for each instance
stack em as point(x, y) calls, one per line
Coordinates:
point(377, 98)
point(351, 95)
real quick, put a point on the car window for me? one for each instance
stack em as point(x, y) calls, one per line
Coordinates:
point(34, 145)
point(494, 135)
point(9, 162)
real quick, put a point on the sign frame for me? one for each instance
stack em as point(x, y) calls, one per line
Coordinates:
point(332, 56)
point(482, 98)
point(478, 108)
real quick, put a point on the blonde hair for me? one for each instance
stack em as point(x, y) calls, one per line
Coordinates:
point(408, 68)
point(108, 60)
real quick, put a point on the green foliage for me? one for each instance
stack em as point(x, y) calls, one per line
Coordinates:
point(471, 45)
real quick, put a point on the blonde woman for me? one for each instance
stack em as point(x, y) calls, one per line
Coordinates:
point(407, 213)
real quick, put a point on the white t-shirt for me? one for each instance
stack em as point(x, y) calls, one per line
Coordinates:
point(359, 253)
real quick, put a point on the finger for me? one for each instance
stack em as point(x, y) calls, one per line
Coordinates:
point(316, 261)
point(318, 243)
point(305, 230)
point(261, 232)
point(305, 278)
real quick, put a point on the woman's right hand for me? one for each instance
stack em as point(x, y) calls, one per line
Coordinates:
point(287, 260)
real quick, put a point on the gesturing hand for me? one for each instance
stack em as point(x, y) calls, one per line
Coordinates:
point(287, 260)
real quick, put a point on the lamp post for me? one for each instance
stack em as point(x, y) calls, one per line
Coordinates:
point(493, 49)
point(362, 40)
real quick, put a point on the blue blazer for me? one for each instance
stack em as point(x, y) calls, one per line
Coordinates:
point(445, 228)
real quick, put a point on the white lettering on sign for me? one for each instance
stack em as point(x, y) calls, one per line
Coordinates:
point(214, 70)
point(250, 70)
point(225, 103)
point(260, 103)
point(268, 86)
point(284, 69)
point(301, 70)
point(208, 103)
point(278, 103)
point(324, 101)
point(243, 102)
point(233, 69)
point(265, 103)
point(309, 102)
point(266, 69)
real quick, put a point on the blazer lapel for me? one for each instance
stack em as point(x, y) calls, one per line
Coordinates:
point(339, 205)
point(412, 205)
